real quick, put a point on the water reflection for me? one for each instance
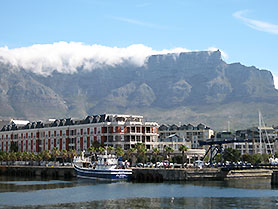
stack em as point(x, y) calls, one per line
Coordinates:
point(23, 184)
point(75, 193)
point(237, 183)
point(200, 203)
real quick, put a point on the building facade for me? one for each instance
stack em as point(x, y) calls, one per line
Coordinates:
point(187, 133)
point(174, 141)
point(107, 129)
point(253, 140)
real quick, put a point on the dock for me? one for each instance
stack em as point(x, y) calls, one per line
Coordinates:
point(193, 174)
point(43, 171)
point(147, 174)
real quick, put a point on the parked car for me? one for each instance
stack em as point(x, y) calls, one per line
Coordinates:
point(139, 165)
point(149, 164)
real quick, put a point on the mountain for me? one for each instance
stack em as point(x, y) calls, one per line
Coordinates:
point(192, 87)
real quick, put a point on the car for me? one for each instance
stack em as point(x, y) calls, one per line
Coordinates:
point(149, 164)
point(139, 165)
point(158, 164)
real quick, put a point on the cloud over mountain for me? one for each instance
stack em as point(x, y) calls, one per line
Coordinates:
point(256, 24)
point(68, 57)
point(275, 79)
point(195, 86)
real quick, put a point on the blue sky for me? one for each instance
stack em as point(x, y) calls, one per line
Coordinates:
point(246, 30)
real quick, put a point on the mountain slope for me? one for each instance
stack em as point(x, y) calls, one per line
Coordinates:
point(187, 87)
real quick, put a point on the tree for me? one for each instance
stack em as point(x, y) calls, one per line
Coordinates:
point(72, 154)
point(6, 157)
point(156, 152)
point(132, 154)
point(32, 157)
point(217, 157)
point(232, 155)
point(110, 149)
point(25, 156)
point(64, 155)
point(141, 150)
point(128, 155)
point(95, 151)
point(119, 151)
point(96, 144)
point(19, 156)
point(1, 158)
point(55, 153)
point(168, 151)
point(90, 150)
point(12, 156)
point(39, 157)
point(265, 158)
point(46, 155)
point(101, 150)
point(247, 158)
point(256, 159)
point(183, 149)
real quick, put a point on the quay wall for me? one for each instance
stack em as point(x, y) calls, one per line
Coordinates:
point(158, 175)
point(146, 174)
point(249, 173)
point(44, 171)
point(274, 177)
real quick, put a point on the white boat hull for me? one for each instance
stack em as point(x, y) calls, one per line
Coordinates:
point(103, 174)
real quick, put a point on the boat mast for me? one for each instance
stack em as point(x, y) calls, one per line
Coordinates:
point(267, 144)
point(260, 132)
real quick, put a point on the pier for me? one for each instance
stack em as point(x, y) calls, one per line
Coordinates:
point(43, 171)
point(148, 174)
point(193, 174)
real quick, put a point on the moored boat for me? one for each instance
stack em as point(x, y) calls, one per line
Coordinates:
point(106, 168)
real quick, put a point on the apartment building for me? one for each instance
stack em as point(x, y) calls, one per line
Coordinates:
point(188, 134)
point(252, 140)
point(108, 129)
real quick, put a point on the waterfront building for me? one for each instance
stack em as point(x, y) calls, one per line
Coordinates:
point(187, 134)
point(252, 140)
point(108, 129)
point(174, 141)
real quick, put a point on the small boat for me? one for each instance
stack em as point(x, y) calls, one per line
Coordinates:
point(106, 168)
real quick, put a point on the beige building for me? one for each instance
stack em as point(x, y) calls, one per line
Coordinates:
point(108, 129)
point(187, 133)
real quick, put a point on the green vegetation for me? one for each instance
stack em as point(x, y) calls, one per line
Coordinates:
point(136, 154)
point(183, 149)
point(231, 155)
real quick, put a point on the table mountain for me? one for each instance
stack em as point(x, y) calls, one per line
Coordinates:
point(190, 87)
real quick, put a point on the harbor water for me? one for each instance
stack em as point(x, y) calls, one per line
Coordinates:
point(19, 192)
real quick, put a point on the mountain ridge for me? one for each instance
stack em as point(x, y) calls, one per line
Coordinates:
point(189, 87)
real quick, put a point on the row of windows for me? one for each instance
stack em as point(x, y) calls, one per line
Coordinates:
point(85, 131)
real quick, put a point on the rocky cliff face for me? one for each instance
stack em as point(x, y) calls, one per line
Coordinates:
point(187, 87)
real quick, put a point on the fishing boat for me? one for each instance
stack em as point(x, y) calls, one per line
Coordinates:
point(107, 167)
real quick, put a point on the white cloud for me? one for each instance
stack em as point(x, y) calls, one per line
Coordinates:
point(68, 57)
point(256, 24)
point(275, 78)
